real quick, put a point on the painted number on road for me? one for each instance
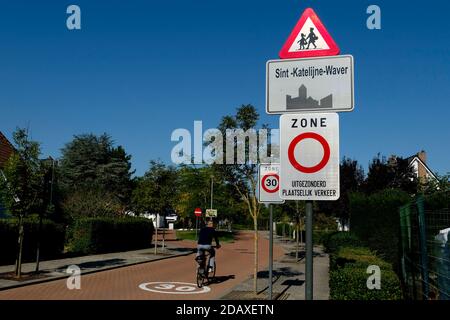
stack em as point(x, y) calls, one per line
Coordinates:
point(173, 287)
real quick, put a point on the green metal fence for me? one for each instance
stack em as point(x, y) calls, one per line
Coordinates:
point(425, 251)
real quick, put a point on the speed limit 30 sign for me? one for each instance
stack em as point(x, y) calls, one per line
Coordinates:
point(269, 183)
point(309, 156)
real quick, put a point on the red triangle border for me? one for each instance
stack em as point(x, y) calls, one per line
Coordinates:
point(309, 13)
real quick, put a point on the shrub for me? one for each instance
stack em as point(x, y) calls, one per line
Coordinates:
point(324, 222)
point(52, 240)
point(101, 235)
point(224, 236)
point(358, 257)
point(321, 236)
point(334, 241)
point(349, 283)
point(348, 276)
point(91, 203)
point(375, 220)
point(437, 200)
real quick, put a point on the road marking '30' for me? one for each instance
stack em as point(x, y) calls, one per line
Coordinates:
point(173, 287)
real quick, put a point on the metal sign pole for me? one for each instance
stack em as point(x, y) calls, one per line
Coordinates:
point(163, 239)
point(268, 186)
point(156, 238)
point(270, 250)
point(309, 251)
point(196, 227)
point(212, 190)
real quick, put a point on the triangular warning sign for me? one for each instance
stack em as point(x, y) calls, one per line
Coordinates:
point(309, 38)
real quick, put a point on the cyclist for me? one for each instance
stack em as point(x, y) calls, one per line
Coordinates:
point(205, 238)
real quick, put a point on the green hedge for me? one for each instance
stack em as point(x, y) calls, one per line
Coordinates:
point(101, 235)
point(52, 240)
point(350, 284)
point(375, 220)
point(348, 276)
point(437, 200)
point(336, 240)
point(360, 257)
point(224, 236)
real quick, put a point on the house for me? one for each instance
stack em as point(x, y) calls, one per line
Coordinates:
point(419, 164)
point(6, 149)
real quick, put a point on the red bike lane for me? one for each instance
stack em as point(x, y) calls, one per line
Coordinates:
point(169, 279)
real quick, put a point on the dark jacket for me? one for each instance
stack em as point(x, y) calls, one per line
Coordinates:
point(207, 235)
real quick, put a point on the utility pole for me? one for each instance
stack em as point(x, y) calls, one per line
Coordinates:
point(309, 251)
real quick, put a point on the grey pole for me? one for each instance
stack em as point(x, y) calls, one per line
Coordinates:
point(309, 251)
point(270, 250)
point(297, 231)
point(212, 190)
point(196, 227)
point(156, 237)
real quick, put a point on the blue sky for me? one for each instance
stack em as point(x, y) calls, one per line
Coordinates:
point(140, 69)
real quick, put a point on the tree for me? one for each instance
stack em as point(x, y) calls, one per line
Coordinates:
point(91, 164)
point(393, 174)
point(22, 186)
point(291, 211)
point(92, 202)
point(195, 191)
point(48, 207)
point(351, 180)
point(440, 184)
point(157, 190)
point(243, 175)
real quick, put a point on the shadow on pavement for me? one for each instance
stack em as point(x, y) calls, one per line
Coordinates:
point(293, 282)
point(277, 274)
point(285, 271)
point(289, 283)
point(95, 264)
point(220, 279)
point(183, 249)
point(25, 276)
point(301, 254)
point(169, 249)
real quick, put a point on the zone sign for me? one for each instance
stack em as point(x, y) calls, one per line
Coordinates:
point(309, 156)
point(269, 183)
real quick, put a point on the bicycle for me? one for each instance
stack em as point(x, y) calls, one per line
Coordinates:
point(203, 273)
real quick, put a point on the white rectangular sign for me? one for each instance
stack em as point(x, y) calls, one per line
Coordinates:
point(211, 213)
point(309, 156)
point(269, 183)
point(310, 85)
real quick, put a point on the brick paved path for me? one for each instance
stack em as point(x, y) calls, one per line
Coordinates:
point(234, 261)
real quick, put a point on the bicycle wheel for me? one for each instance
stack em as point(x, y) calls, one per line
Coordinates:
point(212, 274)
point(199, 279)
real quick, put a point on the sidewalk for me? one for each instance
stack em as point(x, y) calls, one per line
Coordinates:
point(56, 269)
point(288, 276)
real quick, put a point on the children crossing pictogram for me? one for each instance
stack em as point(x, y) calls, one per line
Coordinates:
point(309, 38)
